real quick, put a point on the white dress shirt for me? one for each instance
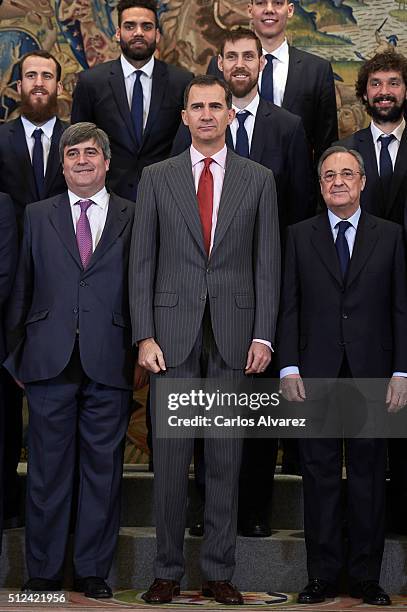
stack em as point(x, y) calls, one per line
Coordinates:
point(146, 80)
point(350, 236)
point(393, 145)
point(217, 168)
point(46, 136)
point(249, 123)
point(96, 213)
point(280, 71)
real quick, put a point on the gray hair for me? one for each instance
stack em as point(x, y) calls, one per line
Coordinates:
point(340, 149)
point(81, 132)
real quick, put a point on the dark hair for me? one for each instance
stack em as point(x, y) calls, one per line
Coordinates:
point(150, 5)
point(39, 53)
point(340, 149)
point(233, 36)
point(206, 80)
point(80, 132)
point(387, 61)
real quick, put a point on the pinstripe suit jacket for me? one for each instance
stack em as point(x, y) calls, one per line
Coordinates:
point(170, 274)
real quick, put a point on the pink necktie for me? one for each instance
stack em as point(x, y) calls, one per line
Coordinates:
point(83, 233)
point(205, 202)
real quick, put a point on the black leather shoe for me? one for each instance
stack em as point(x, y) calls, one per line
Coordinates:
point(36, 585)
point(222, 591)
point(161, 591)
point(371, 592)
point(254, 528)
point(94, 587)
point(197, 529)
point(316, 591)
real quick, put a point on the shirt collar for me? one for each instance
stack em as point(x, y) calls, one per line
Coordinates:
point(47, 127)
point(101, 198)
point(219, 157)
point(397, 132)
point(129, 69)
point(281, 53)
point(353, 220)
point(251, 107)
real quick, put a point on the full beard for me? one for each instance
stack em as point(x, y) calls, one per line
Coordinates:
point(390, 115)
point(38, 111)
point(138, 55)
point(241, 90)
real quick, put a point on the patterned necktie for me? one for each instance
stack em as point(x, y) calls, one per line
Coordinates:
point(242, 139)
point(267, 87)
point(137, 107)
point(83, 233)
point(205, 202)
point(38, 162)
point(342, 247)
point(385, 163)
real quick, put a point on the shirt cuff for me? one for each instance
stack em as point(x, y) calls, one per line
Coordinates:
point(264, 342)
point(289, 370)
point(403, 374)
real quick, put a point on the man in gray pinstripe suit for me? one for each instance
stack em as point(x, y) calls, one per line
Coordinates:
point(204, 303)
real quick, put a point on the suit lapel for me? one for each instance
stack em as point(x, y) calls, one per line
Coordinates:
point(400, 172)
point(366, 238)
point(181, 183)
point(116, 82)
point(256, 150)
point(18, 144)
point(53, 163)
point(232, 192)
point(158, 89)
point(293, 77)
point(229, 139)
point(61, 219)
point(323, 243)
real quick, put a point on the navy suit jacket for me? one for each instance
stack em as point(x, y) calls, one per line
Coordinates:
point(53, 297)
point(390, 205)
point(309, 93)
point(16, 172)
point(100, 97)
point(278, 143)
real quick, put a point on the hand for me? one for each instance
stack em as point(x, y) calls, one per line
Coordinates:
point(140, 378)
point(293, 388)
point(150, 356)
point(396, 397)
point(258, 358)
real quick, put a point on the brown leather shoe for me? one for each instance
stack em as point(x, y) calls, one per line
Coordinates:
point(222, 591)
point(161, 591)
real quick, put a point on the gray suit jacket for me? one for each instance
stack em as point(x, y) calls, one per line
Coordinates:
point(171, 277)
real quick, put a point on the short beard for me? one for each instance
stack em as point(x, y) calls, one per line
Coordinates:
point(240, 90)
point(138, 55)
point(39, 113)
point(381, 117)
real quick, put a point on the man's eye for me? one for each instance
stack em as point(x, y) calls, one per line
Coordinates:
point(347, 174)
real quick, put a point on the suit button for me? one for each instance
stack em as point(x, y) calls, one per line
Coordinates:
point(208, 271)
point(82, 284)
point(345, 316)
point(203, 297)
point(342, 343)
point(75, 310)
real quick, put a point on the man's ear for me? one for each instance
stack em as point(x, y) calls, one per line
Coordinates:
point(184, 117)
point(220, 63)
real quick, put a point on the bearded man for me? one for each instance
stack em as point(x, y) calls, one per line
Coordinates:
point(136, 99)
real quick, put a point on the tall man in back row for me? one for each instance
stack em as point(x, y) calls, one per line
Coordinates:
point(136, 99)
point(203, 305)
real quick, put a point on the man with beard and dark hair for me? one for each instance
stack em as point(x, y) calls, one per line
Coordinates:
point(382, 87)
point(30, 170)
point(136, 99)
point(275, 138)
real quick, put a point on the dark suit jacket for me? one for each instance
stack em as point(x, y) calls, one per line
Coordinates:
point(171, 276)
point(278, 143)
point(100, 97)
point(323, 318)
point(309, 93)
point(53, 297)
point(8, 262)
point(390, 205)
point(16, 173)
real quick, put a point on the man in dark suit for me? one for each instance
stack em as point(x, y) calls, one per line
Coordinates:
point(30, 170)
point(8, 261)
point(333, 323)
point(300, 82)
point(275, 138)
point(382, 87)
point(136, 99)
point(203, 305)
point(70, 306)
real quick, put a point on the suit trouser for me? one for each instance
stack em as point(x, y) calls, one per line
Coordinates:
point(13, 424)
point(2, 421)
point(172, 458)
point(67, 412)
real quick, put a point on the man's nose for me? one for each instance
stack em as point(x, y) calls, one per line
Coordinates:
point(338, 180)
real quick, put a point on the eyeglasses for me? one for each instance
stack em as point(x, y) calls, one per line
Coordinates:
point(347, 175)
